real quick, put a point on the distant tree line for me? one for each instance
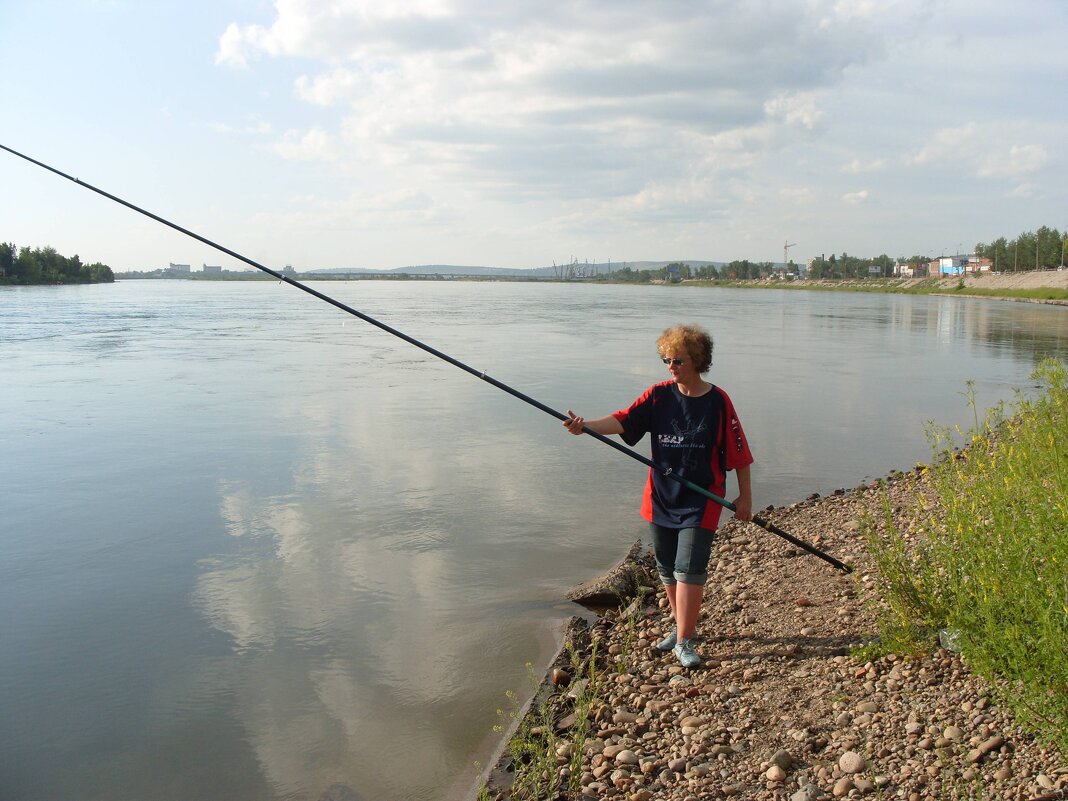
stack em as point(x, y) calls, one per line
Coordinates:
point(676, 271)
point(846, 266)
point(1032, 250)
point(46, 266)
point(1042, 249)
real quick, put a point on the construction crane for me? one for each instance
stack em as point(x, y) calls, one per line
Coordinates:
point(787, 244)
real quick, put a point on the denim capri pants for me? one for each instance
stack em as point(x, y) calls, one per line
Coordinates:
point(682, 554)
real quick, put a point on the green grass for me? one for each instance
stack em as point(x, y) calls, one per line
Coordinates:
point(1045, 293)
point(541, 773)
point(986, 555)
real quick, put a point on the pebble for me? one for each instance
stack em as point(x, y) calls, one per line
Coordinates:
point(851, 762)
point(783, 759)
point(842, 787)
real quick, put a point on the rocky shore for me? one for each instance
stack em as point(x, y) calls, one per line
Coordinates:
point(781, 707)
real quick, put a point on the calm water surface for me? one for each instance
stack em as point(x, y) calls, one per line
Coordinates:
point(251, 546)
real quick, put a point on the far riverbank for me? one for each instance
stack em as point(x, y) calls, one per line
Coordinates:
point(1042, 286)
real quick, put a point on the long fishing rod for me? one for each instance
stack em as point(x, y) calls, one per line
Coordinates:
point(665, 471)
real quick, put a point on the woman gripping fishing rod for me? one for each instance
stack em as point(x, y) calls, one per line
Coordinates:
point(696, 433)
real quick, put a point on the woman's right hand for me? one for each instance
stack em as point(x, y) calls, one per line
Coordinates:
point(574, 423)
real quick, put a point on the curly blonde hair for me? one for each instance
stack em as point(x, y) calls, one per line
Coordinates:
point(692, 339)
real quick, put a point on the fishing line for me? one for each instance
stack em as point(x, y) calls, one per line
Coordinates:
point(480, 374)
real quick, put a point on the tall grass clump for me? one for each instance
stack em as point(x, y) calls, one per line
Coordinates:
point(547, 763)
point(985, 555)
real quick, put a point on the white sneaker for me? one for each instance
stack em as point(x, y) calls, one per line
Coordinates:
point(668, 643)
point(687, 656)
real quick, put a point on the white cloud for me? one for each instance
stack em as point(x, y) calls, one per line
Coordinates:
point(523, 98)
point(329, 88)
point(1020, 160)
point(798, 195)
point(797, 109)
point(855, 198)
point(235, 43)
point(856, 166)
point(945, 144)
point(312, 145)
point(981, 151)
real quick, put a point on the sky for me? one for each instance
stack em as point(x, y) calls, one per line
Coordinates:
point(381, 134)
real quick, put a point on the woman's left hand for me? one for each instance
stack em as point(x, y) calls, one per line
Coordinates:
point(743, 507)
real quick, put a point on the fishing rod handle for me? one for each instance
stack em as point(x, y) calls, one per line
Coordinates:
point(767, 525)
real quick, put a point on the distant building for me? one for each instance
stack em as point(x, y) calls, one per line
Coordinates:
point(212, 269)
point(903, 269)
point(961, 264)
point(182, 269)
point(950, 265)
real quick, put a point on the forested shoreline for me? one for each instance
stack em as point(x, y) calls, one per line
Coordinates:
point(26, 266)
point(1030, 251)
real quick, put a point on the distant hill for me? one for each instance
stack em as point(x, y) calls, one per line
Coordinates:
point(553, 271)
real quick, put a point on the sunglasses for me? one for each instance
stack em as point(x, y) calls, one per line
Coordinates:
point(675, 362)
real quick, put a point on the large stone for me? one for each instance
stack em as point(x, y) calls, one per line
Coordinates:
point(842, 787)
point(809, 792)
point(783, 759)
point(615, 587)
point(775, 774)
point(851, 762)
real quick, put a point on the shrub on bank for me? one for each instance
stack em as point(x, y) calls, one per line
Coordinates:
point(984, 558)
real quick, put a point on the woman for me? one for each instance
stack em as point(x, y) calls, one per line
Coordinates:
point(695, 432)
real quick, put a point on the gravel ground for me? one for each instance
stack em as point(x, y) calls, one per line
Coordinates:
point(779, 709)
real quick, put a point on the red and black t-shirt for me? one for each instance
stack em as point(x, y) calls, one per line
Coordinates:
point(699, 438)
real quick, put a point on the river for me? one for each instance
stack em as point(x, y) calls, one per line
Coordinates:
point(251, 546)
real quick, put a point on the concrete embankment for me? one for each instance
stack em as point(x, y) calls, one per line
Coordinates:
point(987, 283)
